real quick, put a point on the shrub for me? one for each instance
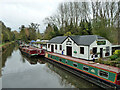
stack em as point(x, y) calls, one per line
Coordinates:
point(107, 62)
point(113, 57)
point(112, 63)
point(118, 59)
point(117, 52)
point(118, 65)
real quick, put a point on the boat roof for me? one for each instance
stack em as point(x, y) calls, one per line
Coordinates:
point(100, 66)
point(29, 48)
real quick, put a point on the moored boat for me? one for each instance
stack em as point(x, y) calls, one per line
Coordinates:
point(100, 74)
point(29, 51)
point(41, 52)
point(23, 46)
point(32, 51)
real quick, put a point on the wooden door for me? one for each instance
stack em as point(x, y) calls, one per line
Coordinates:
point(69, 51)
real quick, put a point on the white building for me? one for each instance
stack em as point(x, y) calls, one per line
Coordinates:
point(80, 46)
point(41, 43)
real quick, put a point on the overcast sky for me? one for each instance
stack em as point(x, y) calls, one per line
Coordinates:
point(15, 13)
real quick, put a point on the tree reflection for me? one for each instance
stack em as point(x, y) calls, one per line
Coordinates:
point(67, 78)
point(7, 53)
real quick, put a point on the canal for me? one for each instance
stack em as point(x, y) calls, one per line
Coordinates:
point(19, 71)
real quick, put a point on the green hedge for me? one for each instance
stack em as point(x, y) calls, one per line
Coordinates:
point(113, 57)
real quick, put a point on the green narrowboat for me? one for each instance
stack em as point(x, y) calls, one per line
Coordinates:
point(108, 75)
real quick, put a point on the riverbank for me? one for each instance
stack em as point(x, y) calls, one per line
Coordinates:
point(3, 48)
point(5, 45)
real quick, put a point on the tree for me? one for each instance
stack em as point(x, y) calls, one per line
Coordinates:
point(68, 34)
point(38, 34)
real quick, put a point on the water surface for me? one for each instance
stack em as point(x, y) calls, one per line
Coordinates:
point(19, 71)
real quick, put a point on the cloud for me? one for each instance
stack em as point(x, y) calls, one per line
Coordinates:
point(15, 13)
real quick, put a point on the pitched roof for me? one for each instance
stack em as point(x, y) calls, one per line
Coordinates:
point(80, 40)
point(85, 39)
point(58, 39)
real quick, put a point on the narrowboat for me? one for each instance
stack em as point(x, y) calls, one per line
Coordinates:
point(99, 74)
point(23, 46)
point(29, 52)
point(41, 52)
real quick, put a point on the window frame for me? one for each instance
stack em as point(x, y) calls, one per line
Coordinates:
point(55, 46)
point(60, 47)
point(82, 52)
point(85, 67)
point(66, 61)
point(102, 75)
point(75, 64)
point(94, 50)
point(48, 45)
point(60, 59)
point(118, 77)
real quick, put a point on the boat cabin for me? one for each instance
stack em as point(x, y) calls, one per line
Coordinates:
point(83, 47)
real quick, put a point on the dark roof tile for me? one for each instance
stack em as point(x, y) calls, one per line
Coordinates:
point(80, 40)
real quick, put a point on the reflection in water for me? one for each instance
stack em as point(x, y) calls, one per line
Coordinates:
point(33, 60)
point(8, 52)
point(25, 72)
point(69, 78)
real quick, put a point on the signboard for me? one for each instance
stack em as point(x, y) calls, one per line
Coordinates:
point(101, 42)
point(68, 42)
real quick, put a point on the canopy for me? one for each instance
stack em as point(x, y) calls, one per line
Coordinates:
point(38, 40)
point(32, 40)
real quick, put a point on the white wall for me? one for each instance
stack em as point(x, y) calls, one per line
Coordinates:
point(94, 44)
point(76, 47)
point(58, 48)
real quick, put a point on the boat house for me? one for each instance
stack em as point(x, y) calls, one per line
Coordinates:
point(80, 46)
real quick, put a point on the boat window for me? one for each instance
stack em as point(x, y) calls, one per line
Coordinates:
point(54, 57)
point(75, 64)
point(118, 77)
point(66, 61)
point(103, 73)
point(51, 56)
point(85, 68)
point(81, 50)
point(60, 60)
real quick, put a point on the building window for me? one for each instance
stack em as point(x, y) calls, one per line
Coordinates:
point(85, 68)
point(81, 50)
point(95, 50)
point(56, 47)
point(75, 64)
point(60, 47)
point(103, 74)
point(118, 77)
point(107, 51)
point(48, 45)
